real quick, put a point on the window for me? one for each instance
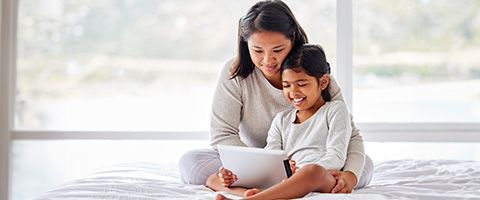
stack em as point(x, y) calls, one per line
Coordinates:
point(120, 65)
point(416, 61)
point(136, 65)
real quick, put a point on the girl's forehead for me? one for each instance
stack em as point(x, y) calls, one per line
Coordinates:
point(295, 74)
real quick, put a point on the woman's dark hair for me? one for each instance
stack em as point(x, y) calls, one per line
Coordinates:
point(312, 60)
point(269, 15)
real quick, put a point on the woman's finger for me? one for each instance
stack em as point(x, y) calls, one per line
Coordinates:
point(334, 173)
point(345, 191)
point(338, 187)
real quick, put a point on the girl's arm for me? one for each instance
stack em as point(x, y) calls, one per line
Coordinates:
point(274, 138)
point(356, 151)
point(226, 110)
point(338, 136)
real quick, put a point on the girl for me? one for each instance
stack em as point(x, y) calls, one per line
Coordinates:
point(314, 133)
point(249, 95)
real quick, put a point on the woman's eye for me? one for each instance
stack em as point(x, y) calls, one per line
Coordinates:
point(258, 51)
point(286, 86)
point(278, 50)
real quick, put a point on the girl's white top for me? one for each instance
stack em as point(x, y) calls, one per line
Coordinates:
point(321, 139)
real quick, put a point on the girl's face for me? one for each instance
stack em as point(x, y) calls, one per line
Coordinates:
point(304, 92)
point(268, 50)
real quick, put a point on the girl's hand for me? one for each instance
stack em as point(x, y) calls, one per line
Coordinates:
point(293, 166)
point(226, 177)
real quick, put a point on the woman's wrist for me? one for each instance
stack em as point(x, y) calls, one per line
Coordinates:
point(351, 178)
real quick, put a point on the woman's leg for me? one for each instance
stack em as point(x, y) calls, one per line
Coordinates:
point(197, 165)
point(310, 178)
point(200, 167)
point(367, 173)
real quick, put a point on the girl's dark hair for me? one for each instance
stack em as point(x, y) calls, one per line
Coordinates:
point(312, 60)
point(269, 15)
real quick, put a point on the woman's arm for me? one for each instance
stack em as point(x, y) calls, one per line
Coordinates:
point(226, 110)
point(356, 152)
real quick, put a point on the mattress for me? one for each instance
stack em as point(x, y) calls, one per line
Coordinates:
point(394, 179)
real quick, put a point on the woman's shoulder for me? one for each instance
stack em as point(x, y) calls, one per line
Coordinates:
point(225, 73)
point(225, 79)
point(228, 70)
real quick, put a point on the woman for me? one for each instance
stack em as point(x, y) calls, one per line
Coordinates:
point(249, 95)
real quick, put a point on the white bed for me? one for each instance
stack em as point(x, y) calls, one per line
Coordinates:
point(396, 179)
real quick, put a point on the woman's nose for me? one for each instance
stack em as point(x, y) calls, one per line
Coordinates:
point(267, 58)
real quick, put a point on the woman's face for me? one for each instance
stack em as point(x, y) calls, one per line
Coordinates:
point(268, 50)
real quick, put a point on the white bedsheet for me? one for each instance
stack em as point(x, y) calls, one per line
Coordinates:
point(396, 179)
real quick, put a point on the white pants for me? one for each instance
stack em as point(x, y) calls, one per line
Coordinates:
point(197, 165)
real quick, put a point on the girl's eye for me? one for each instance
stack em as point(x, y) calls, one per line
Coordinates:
point(258, 51)
point(286, 86)
point(302, 84)
point(278, 50)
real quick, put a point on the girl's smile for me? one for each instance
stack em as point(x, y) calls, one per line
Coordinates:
point(298, 101)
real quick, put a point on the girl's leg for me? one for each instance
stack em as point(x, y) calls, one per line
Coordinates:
point(310, 178)
point(214, 183)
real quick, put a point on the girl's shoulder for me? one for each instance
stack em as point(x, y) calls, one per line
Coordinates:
point(286, 114)
point(335, 107)
point(336, 103)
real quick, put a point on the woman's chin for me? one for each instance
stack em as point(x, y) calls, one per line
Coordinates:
point(271, 73)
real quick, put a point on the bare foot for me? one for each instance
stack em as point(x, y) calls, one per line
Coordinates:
point(251, 192)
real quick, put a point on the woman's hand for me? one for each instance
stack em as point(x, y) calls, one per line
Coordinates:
point(345, 181)
point(293, 166)
point(226, 177)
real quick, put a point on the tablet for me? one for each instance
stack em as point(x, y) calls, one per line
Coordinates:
point(254, 167)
